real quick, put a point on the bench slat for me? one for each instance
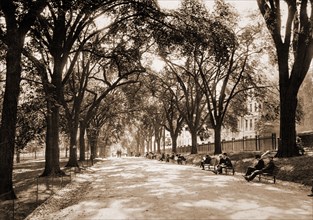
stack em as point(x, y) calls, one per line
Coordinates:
point(267, 176)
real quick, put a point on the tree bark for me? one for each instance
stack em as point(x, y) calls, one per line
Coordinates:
point(194, 149)
point(82, 147)
point(174, 143)
point(52, 155)
point(288, 106)
point(217, 140)
point(297, 41)
point(72, 162)
point(93, 136)
point(9, 115)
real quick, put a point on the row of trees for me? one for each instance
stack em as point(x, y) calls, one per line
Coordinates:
point(76, 62)
point(210, 67)
point(87, 73)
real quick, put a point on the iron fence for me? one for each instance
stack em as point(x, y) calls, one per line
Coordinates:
point(258, 143)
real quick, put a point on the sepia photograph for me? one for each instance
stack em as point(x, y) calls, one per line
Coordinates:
point(156, 109)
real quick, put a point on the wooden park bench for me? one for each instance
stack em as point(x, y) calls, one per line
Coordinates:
point(269, 176)
point(211, 166)
point(214, 163)
point(181, 160)
point(229, 170)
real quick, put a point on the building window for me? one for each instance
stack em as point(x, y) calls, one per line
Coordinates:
point(255, 107)
point(251, 124)
point(246, 124)
point(251, 107)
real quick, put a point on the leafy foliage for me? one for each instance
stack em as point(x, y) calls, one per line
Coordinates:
point(30, 119)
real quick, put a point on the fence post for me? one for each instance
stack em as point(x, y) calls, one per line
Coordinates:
point(256, 143)
point(233, 144)
point(37, 192)
point(274, 141)
point(243, 143)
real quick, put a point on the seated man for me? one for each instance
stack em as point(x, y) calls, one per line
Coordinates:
point(162, 158)
point(258, 166)
point(180, 159)
point(206, 160)
point(299, 146)
point(269, 168)
point(224, 162)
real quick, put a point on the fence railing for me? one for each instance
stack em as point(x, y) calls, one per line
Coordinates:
point(258, 143)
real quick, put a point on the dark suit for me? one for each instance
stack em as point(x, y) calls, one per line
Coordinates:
point(268, 169)
point(258, 166)
point(206, 161)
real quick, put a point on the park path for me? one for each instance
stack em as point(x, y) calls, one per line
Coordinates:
point(139, 188)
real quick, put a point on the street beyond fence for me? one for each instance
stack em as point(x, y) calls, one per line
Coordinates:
point(139, 188)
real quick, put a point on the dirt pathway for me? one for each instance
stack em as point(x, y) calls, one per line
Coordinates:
point(138, 188)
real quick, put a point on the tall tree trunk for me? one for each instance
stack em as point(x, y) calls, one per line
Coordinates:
point(102, 149)
point(9, 115)
point(148, 145)
point(52, 155)
point(17, 26)
point(174, 142)
point(92, 136)
point(138, 143)
point(159, 145)
point(194, 144)
point(288, 105)
point(82, 147)
point(217, 139)
point(73, 147)
point(18, 156)
point(142, 146)
point(93, 147)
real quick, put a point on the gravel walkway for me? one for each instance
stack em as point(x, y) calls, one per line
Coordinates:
point(138, 188)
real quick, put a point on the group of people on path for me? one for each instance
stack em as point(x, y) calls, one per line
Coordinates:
point(224, 161)
point(259, 166)
point(252, 171)
point(178, 158)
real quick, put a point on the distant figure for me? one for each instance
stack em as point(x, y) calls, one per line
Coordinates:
point(311, 190)
point(258, 166)
point(206, 160)
point(224, 162)
point(172, 157)
point(299, 145)
point(91, 159)
point(269, 168)
point(180, 159)
point(162, 158)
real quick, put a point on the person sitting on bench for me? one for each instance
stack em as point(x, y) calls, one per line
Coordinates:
point(205, 160)
point(180, 159)
point(224, 162)
point(269, 168)
point(258, 166)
